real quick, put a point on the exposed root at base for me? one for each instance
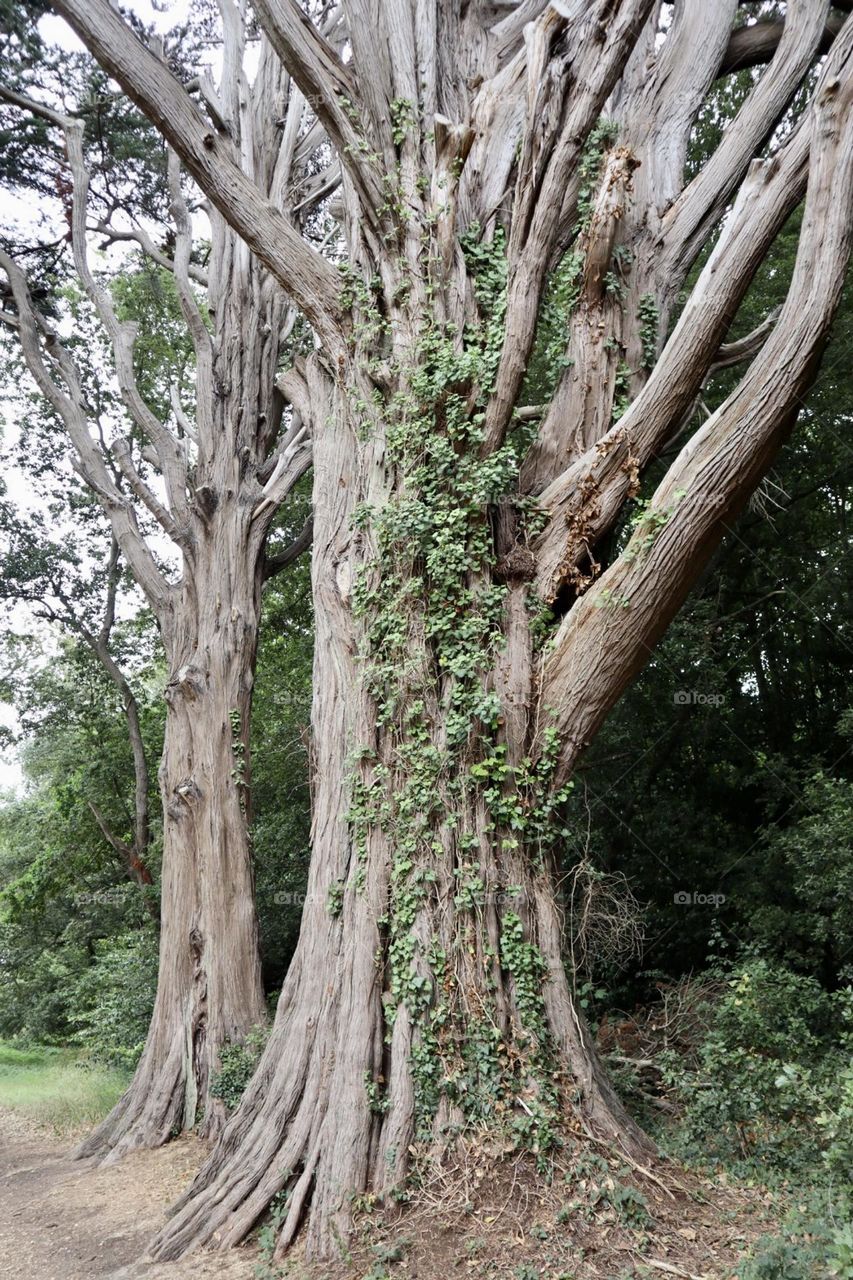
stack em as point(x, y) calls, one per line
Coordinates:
point(486, 1210)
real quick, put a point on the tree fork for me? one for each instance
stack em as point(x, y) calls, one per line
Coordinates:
point(427, 992)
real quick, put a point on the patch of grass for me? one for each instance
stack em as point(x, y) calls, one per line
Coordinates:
point(29, 1057)
point(56, 1088)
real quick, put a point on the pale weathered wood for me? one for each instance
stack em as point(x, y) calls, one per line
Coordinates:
point(475, 120)
point(224, 474)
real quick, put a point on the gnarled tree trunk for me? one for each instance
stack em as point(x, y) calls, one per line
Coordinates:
point(209, 991)
point(428, 986)
point(481, 153)
point(224, 463)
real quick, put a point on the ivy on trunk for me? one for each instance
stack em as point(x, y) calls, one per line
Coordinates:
point(472, 632)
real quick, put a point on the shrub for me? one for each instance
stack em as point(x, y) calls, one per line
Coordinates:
point(769, 1089)
point(113, 999)
point(816, 1243)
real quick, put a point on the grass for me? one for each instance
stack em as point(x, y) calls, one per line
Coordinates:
point(56, 1088)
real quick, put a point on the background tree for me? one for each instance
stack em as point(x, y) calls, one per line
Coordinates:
point(59, 589)
point(479, 176)
point(199, 485)
point(69, 909)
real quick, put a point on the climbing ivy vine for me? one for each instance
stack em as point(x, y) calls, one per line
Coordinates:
point(432, 619)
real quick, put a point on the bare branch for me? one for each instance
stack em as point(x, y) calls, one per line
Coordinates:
point(283, 559)
point(291, 464)
point(201, 339)
point(552, 156)
point(702, 203)
point(121, 452)
point(757, 43)
point(180, 417)
point(30, 104)
point(329, 89)
point(606, 636)
point(141, 237)
point(745, 348)
point(172, 461)
point(210, 158)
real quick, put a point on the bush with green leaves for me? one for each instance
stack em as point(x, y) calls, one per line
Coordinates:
point(113, 998)
point(769, 1089)
point(237, 1066)
point(816, 1243)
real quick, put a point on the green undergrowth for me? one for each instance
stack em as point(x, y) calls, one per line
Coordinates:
point(237, 1066)
point(762, 1079)
point(57, 1089)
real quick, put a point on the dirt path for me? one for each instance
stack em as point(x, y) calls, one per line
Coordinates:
point(65, 1220)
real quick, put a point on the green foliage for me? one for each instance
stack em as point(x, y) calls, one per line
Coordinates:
point(237, 1066)
point(65, 895)
point(649, 317)
point(771, 1087)
point(163, 355)
point(113, 998)
point(814, 1244)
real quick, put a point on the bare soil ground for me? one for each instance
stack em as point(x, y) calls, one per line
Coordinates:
point(486, 1218)
point(62, 1219)
point(490, 1218)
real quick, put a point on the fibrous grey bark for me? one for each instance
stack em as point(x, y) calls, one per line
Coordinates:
point(428, 992)
point(213, 478)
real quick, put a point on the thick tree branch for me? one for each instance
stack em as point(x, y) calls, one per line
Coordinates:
point(547, 162)
point(170, 454)
point(687, 224)
point(606, 636)
point(328, 87)
point(586, 498)
point(756, 44)
point(280, 560)
point(311, 281)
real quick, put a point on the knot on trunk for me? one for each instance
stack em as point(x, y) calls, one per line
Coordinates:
point(189, 682)
point(187, 792)
point(196, 940)
point(206, 501)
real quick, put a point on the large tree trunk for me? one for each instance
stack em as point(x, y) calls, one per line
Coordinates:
point(428, 988)
point(428, 997)
point(209, 991)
